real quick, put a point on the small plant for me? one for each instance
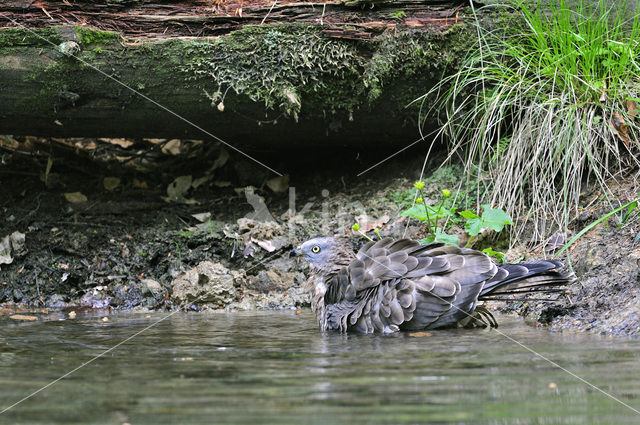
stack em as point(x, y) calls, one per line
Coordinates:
point(356, 228)
point(401, 198)
point(432, 216)
point(497, 254)
point(622, 220)
point(186, 233)
point(492, 218)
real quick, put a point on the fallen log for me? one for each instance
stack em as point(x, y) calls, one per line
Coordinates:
point(257, 74)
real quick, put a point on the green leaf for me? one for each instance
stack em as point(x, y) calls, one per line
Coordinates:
point(468, 214)
point(495, 218)
point(419, 211)
point(439, 212)
point(448, 239)
point(416, 211)
point(497, 254)
point(473, 226)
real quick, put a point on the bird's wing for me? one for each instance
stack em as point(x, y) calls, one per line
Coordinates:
point(457, 275)
point(393, 284)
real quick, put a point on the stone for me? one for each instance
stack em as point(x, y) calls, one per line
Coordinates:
point(208, 283)
point(150, 286)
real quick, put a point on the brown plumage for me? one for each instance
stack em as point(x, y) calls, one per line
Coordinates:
point(391, 285)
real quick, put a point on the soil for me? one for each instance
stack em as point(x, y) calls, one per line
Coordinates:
point(167, 224)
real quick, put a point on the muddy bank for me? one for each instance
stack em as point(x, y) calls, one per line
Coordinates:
point(197, 228)
point(126, 233)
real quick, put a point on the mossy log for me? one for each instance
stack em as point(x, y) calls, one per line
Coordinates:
point(263, 75)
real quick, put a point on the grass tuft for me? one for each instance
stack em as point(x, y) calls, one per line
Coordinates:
point(539, 110)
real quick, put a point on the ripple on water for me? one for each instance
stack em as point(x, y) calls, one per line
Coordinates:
point(276, 367)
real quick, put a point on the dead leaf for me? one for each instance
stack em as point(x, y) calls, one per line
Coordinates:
point(86, 144)
point(48, 170)
point(110, 183)
point(5, 251)
point(172, 147)
point(75, 197)
point(266, 245)
point(9, 142)
point(140, 184)
point(279, 184)
point(46, 13)
point(220, 160)
point(367, 223)
point(23, 317)
point(632, 108)
point(620, 128)
point(419, 334)
point(603, 95)
point(202, 217)
point(123, 143)
point(179, 187)
point(199, 181)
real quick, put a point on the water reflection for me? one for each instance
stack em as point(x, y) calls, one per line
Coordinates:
point(276, 367)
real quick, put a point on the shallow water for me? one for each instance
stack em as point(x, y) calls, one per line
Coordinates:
point(276, 367)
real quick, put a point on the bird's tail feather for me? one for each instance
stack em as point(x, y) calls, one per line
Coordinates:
point(527, 278)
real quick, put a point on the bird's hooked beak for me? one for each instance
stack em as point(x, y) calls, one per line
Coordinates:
point(296, 252)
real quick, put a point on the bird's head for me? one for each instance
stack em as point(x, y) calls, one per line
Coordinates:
point(326, 254)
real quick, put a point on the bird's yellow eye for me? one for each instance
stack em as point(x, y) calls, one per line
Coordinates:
point(315, 249)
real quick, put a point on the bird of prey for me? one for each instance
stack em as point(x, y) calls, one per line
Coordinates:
point(392, 285)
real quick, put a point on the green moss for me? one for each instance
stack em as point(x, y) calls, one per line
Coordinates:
point(87, 36)
point(409, 61)
point(296, 70)
point(293, 69)
point(280, 65)
point(19, 37)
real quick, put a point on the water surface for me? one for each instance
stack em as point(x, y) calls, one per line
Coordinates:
point(276, 367)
